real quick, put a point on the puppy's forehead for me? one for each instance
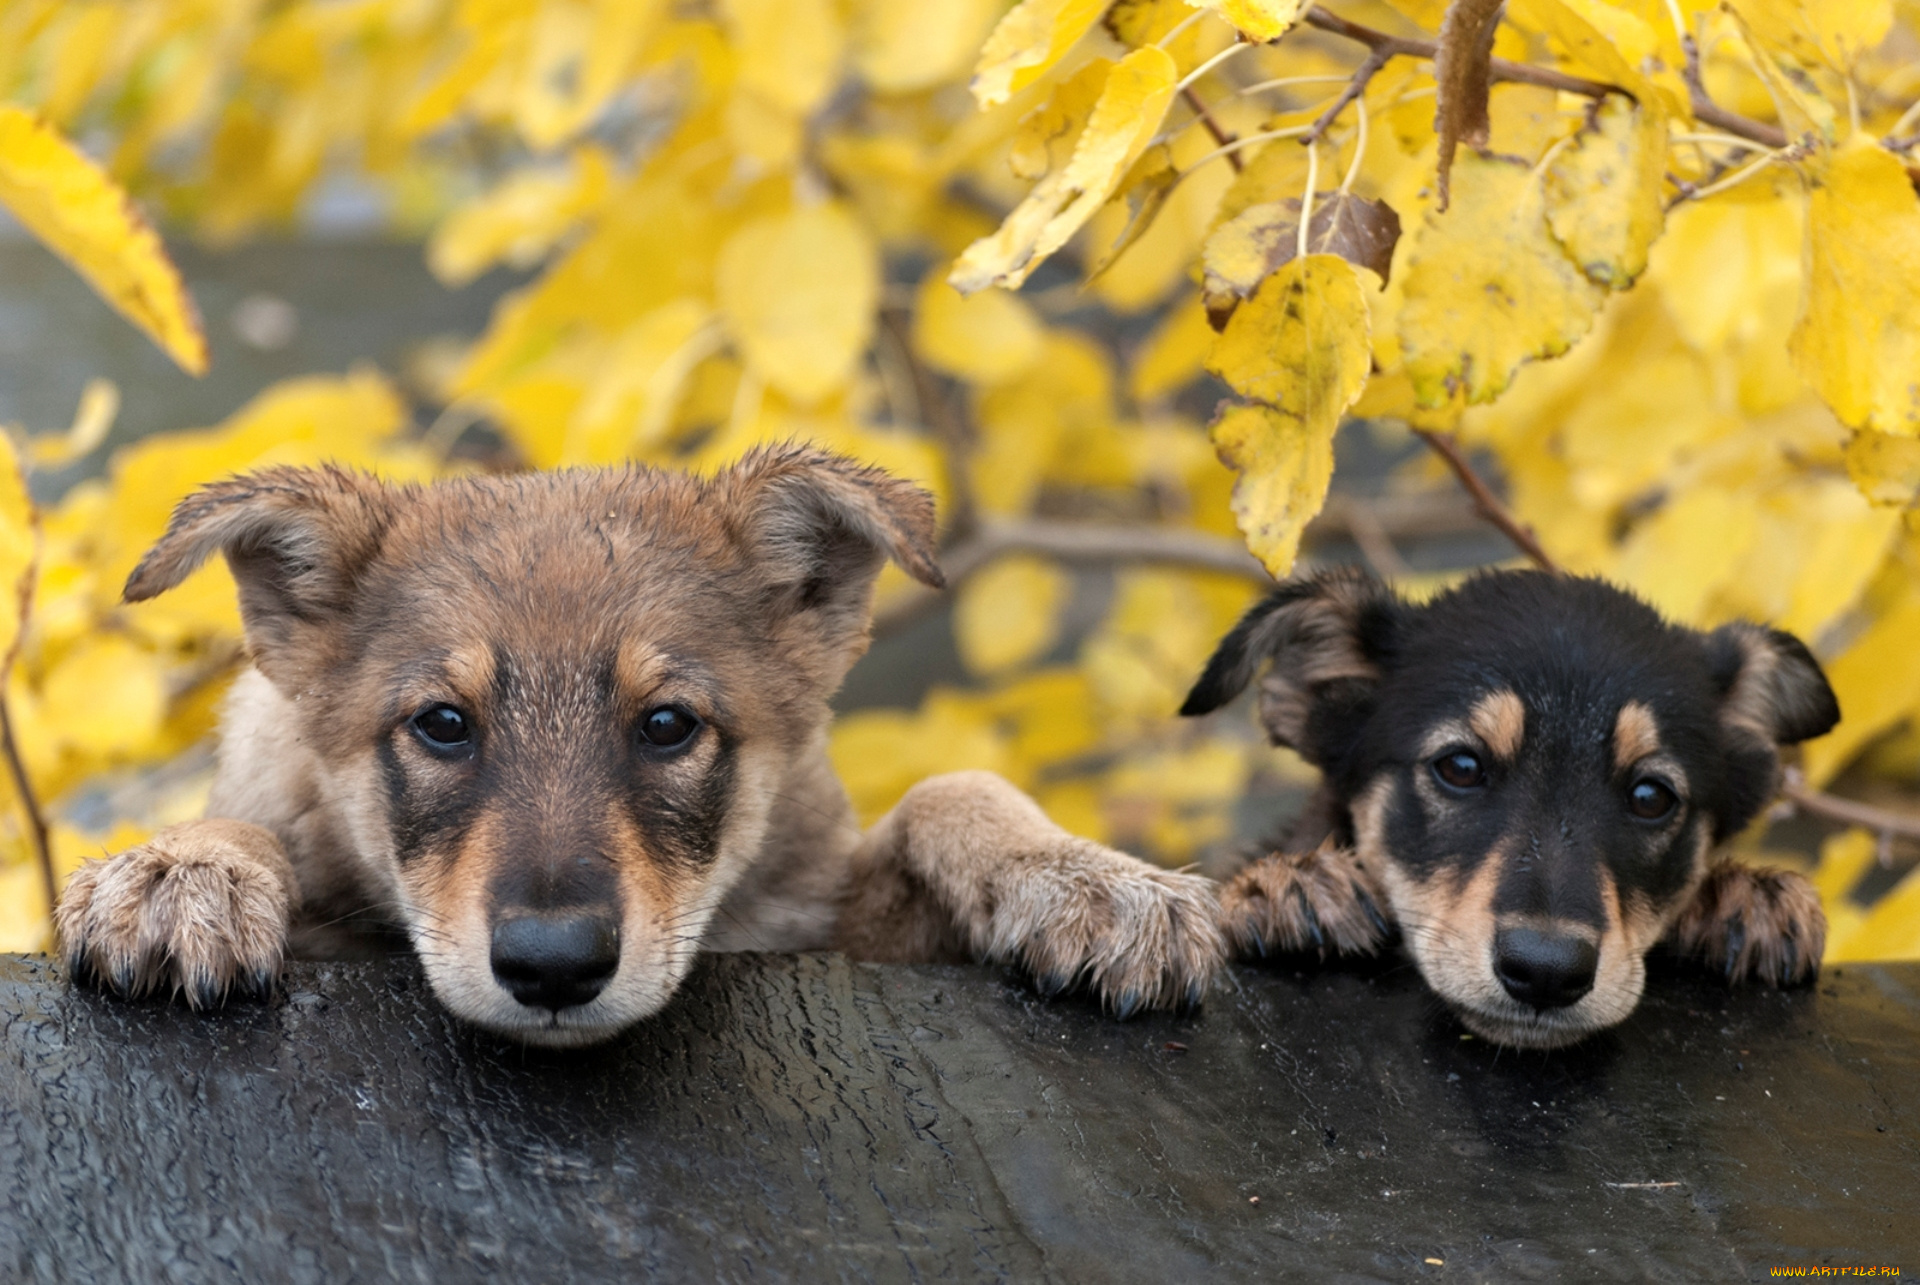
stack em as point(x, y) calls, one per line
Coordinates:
point(552, 555)
point(1552, 660)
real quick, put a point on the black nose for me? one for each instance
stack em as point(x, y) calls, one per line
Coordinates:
point(555, 961)
point(1546, 970)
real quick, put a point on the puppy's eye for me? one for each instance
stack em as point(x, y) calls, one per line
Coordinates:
point(1460, 770)
point(1649, 800)
point(668, 727)
point(442, 727)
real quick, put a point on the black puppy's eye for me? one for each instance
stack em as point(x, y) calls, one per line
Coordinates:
point(1460, 770)
point(668, 727)
point(442, 727)
point(1649, 800)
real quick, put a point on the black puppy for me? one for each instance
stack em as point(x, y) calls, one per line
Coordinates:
point(1530, 774)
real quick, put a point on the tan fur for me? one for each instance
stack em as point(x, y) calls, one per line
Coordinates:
point(1320, 637)
point(743, 598)
point(1500, 721)
point(1635, 735)
point(1328, 900)
point(1754, 924)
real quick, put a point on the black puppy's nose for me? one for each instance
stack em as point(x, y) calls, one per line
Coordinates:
point(555, 961)
point(1546, 970)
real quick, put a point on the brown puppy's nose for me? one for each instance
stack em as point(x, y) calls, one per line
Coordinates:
point(555, 961)
point(1546, 970)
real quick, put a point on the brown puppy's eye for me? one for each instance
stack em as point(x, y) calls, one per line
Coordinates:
point(1649, 800)
point(1460, 770)
point(442, 728)
point(668, 727)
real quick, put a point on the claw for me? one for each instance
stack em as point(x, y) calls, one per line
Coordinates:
point(1196, 991)
point(1052, 985)
point(1372, 911)
point(1126, 1004)
point(1789, 964)
point(1309, 919)
point(1736, 942)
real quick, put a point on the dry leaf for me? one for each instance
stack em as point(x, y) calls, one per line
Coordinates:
point(1463, 79)
point(1245, 249)
point(1026, 44)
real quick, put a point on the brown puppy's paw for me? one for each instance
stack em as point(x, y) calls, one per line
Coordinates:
point(1137, 936)
point(1764, 925)
point(200, 910)
point(1323, 901)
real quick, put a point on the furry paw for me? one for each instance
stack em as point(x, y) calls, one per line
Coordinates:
point(1137, 936)
point(199, 910)
point(1325, 901)
point(1763, 925)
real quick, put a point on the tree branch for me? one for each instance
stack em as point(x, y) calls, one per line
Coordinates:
point(1799, 795)
point(1384, 47)
point(36, 819)
point(1485, 502)
point(1222, 136)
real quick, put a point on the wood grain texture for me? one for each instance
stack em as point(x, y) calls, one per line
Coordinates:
point(803, 1118)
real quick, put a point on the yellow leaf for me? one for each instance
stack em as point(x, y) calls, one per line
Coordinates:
point(1026, 421)
point(1878, 682)
point(579, 54)
point(81, 214)
point(1886, 467)
point(1719, 260)
point(1260, 20)
point(798, 292)
point(1285, 465)
point(1302, 345)
point(788, 50)
point(629, 405)
point(1890, 930)
point(520, 219)
point(1604, 199)
point(1487, 286)
point(988, 338)
point(106, 698)
point(1009, 614)
point(1026, 44)
point(1125, 119)
point(1837, 32)
point(1173, 353)
point(1679, 556)
point(900, 48)
point(1857, 340)
point(92, 420)
point(879, 754)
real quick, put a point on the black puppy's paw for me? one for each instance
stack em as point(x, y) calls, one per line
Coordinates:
point(1326, 901)
point(1754, 925)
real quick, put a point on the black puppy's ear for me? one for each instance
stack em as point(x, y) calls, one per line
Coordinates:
point(1770, 684)
point(1330, 628)
point(295, 539)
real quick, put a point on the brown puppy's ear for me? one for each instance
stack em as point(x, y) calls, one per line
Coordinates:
point(821, 525)
point(293, 537)
point(1770, 684)
point(1324, 634)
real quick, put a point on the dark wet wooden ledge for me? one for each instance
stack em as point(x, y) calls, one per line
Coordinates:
point(803, 1118)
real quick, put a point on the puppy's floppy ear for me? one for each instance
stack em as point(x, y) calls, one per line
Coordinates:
point(294, 537)
point(821, 525)
point(1770, 684)
point(1325, 635)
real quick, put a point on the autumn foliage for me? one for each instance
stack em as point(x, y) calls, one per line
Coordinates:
point(1659, 260)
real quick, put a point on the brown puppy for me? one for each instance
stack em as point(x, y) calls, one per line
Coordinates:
point(1529, 775)
point(565, 731)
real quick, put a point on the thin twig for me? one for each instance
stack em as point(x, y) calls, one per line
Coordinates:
point(1708, 112)
point(1485, 502)
point(1223, 138)
point(1383, 47)
point(9, 744)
